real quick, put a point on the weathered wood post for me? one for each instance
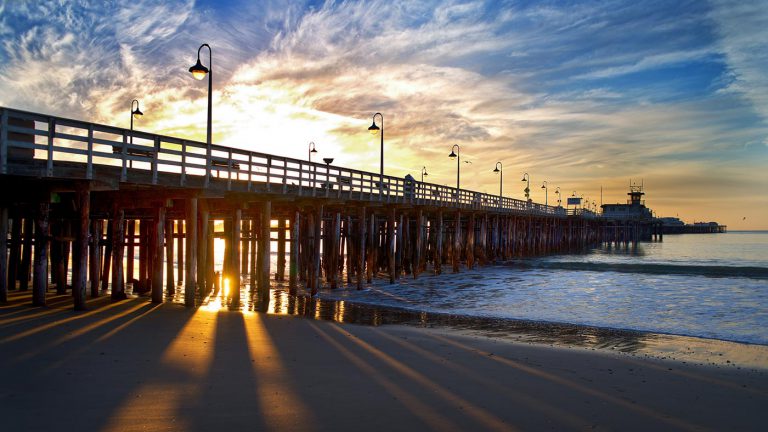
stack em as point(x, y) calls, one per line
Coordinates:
point(190, 284)
point(280, 274)
point(157, 253)
point(456, 255)
point(95, 257)
point(180, 234)
point(350, 248)
point(80, 249)
point(439, 247)
point(371, 266)
point(391, 244)
point(399, 246)
point(234, 264)
point(210, 270)
point(106, 265)
point(118, 285)
point(264, 252)
point(170, 284)
point(26, 254)
point(130, 240)
point(202, 247)
point(470, 245)
point(245, 245)
point(315, 272)
point(40, 274)
point(418, 252)
point(3, 254)
point(293, 265)
point(361, 247)
point(144, 252)
point(14, 251)
point(332, 242)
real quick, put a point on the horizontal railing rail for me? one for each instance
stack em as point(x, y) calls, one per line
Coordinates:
point(27, 137)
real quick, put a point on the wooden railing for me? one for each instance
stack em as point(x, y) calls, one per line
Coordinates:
point(29, 138)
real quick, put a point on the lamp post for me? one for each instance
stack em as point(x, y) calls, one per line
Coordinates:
point(559, 201)
point(527, 190)
point(374, 129)
point(546, 191)
point(423, 173)
point(498, 169)
point(457, 155)
point(199, 72)
point(311, 150)
point(135, 114)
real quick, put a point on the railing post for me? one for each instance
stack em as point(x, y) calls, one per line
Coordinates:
point(4, 142)
point(51, 135)
point(155, 160)
point(89, 167)
point(269, 170)
point(124, 171)
point(207, 180)
point(229, 170)
point(285, 177)
point(250, 170)
point(183, 179)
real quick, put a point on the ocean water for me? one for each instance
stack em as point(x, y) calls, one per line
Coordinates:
point(703, 285)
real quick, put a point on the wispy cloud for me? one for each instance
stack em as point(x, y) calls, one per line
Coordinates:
point(579, 94)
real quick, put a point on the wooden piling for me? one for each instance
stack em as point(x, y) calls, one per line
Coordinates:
point(95, 256)
point(80, 249)
point(418, 253)
point(190, 283)
point(14, 250)
point(361, 247)
point(438, 259)
point(391, 244)
point(264, 251)
point(293, 264)
point(130, 240)
point(170, 284)
point(280, 273)
point(26, 254)
point(40, 275)
point(107, 259)
point(202, 247)
point(456, 250)
point(118, 286)
point(234, 264)
point(3, 254)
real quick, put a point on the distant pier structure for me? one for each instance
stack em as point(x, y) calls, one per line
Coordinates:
point(632, 221)
point(96, 209)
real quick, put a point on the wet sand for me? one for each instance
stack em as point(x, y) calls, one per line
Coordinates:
point(133, 365)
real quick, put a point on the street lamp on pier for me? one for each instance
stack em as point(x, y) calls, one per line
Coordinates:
point(423, 173)
point(498, 169)
point(527, 190)
point(311, 150)
point(457, 155)
point(559, 201)
point(199, 72)
point(546, 191)
point(374, 129)
point(135, 114)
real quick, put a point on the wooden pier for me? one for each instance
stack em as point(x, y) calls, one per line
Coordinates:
point(97, 197)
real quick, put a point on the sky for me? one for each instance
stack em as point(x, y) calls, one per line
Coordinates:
point(586, 95)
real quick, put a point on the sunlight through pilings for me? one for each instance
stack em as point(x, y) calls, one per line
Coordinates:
point(280, 402)
point(81, 331)
point(49, 326)
point(543, 406)
point(190, 355)
point(574, 385)
point(421, 410)
point(488, 420)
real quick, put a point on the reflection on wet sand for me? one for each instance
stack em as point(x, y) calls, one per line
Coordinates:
point(695, 350)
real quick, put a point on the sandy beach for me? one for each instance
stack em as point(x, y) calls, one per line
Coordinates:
point(133, 365)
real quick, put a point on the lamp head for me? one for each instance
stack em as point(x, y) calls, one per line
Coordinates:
point(198, 70)
point(313, 150)
point(373, 129)
point(543, 186)
point(496, 169)
point(452, 155)
point(523, 178)
point(137, 113)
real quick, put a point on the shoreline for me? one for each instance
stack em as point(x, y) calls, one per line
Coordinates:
point(134, 365)
point(693, 349)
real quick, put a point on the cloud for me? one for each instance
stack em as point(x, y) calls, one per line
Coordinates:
point(743, 31)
